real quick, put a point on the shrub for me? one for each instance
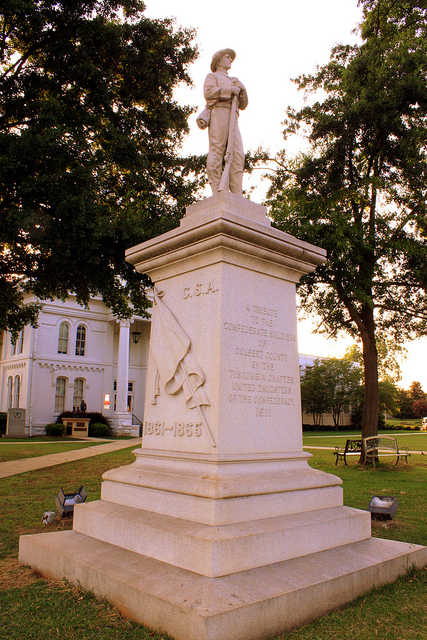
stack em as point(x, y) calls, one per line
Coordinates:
point(96, 418)
point(54, 429)
point(3, 422)
point(381, 421)
point(99, 430)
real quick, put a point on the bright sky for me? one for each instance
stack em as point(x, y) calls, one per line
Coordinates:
point(275, 41)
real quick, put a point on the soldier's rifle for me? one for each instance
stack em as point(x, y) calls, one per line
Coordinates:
point(228, 158)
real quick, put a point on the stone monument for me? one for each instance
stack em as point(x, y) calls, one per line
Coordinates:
point(15, 424)
point(220, 529)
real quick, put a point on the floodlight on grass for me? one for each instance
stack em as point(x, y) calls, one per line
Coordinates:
point(383, 507)
point(65, 501)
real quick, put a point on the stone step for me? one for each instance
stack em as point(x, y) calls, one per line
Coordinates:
point(254, 604)
point(225, 511)
point(217, 551)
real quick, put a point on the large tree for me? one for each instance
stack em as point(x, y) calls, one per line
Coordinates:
point(360, 190)
point(89, 148)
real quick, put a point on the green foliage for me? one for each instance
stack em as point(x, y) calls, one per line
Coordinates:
point(96, 418)
point(99, 430)
point(389, 353)
point(89, 148)
point(360, 191)
point(329, 386)
point(313, 393)
point(405, 404)
point(55, 429)
point(416, 391)
point(412, 402)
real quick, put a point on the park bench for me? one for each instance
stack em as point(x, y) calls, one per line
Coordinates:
point(352, 447)
point(377, 446)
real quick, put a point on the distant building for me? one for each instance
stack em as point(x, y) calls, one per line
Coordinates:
point(76, 355)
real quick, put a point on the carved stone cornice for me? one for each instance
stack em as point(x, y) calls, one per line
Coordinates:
point(15, 365)
point(60, 366)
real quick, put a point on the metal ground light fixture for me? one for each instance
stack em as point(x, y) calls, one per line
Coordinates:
point(383, 507)
point(65, 501)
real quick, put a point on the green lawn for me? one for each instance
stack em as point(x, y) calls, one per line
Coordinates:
point(25, 497)
point(406, 482)
point(31, 607)
point(20, 450)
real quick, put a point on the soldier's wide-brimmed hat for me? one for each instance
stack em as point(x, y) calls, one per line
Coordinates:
point(218, 55)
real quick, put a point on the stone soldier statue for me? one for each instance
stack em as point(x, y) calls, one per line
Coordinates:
point(224, 97)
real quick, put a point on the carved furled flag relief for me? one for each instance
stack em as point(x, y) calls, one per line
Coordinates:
point(177, 369)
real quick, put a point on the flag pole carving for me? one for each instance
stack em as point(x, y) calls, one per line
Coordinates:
point(177, 368)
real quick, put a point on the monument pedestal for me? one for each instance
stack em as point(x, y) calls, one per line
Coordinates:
point(220, 529)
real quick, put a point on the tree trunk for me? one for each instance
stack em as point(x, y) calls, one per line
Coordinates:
point(370, 360)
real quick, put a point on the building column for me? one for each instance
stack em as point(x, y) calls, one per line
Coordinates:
point(123, 367)
point(122, 419)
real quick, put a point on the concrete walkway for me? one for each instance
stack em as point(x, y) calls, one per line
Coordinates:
point(14, 467)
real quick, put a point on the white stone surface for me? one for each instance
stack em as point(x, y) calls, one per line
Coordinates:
point(256, 604)
point(228, 279)
point(218, 551)
point(224, 97)
point(220, 530)
point(217, 511)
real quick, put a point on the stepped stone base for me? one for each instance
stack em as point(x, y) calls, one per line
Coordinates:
point(218, 551)
point(220, 530)
point(253, 604)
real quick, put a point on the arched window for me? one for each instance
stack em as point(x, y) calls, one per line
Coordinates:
point(21, 341)
point(16, 392)
point(17, 344)
point(78, 396)
point(60, 393)
point(80, 340)
point(64, 331)
point(9, 392)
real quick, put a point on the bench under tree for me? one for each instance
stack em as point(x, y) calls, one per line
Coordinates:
point(353, 447)
point(374, 447)
point(379, 446)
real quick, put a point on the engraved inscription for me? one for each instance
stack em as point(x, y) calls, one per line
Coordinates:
point(259, 376)
point(177, 430)
point(200, 289)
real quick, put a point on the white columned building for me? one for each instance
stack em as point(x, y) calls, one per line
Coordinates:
point(76, 354)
